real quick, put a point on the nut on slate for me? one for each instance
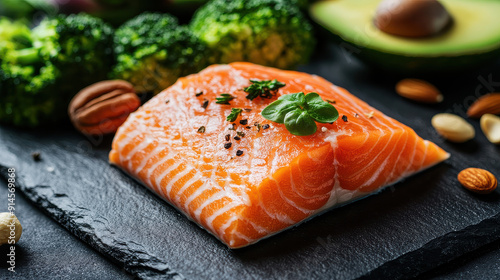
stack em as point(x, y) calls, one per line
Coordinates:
point(10, 228)
point(412, 18)
point(486, 104)
point(453, 127)
point(419, 90)
point(490, 125)
point(102, 107)
point(477, 180)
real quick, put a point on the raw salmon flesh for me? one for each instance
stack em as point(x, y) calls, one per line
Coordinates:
point(269, 179)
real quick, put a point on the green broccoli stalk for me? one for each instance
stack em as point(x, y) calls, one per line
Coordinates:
point(60, 56)
point(268, 32)
point(152, 51)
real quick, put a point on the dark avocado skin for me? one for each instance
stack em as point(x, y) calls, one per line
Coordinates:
point(411, 65)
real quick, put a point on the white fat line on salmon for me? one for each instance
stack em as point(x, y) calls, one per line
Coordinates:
point(124, 142)
point(149, 156)
point(196, 194)
point(228, 207)
point(289, 201)
point(284, 218)
point(293, 186)
point(416, 138)
point(169, 156)
point(160, 177)
point(214, 197)
point(239, 193)
point(359, 171)
point(425, 152)
point(138, 148)
point(183, 172)
point(231, 220)
point(374, 158)
point(242, 236)
point(196, 177)
point(381, 167)
point(397, 162)
point(258, 228)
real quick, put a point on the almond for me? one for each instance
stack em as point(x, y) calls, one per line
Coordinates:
point(486, 104)
point(102, 107)
point(490, 125)
point(419, 90)
point(477, 180)
point(453, 127)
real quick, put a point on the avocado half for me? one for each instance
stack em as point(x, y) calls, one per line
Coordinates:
point(473, 38)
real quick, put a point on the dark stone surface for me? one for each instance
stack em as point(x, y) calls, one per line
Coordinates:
point(48, 251)
point(482, 263)
point(417, 225)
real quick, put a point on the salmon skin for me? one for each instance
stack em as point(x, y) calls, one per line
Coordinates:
point(267, 179)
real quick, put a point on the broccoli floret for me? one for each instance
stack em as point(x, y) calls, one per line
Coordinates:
point(61, 56)
point(81, 45)
point(152, 51)
point(268, 32)
point(28, 98)
point(13, 35)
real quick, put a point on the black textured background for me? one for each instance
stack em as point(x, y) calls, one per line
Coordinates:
point(407, 230)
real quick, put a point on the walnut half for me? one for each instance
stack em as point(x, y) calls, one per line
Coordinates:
point(102, 107)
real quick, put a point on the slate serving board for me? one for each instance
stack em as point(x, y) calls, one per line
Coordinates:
point(412, 227)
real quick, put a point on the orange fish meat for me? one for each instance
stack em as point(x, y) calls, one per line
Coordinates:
point(269, 179)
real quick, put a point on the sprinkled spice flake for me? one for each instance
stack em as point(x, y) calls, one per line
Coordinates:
point(237, 138)
point(248, 127)
point(356, 115)
point(266, 126)
point(344, 118)
point(227, 145)
point(205, 104)
point(331, 101)
point(239, 152)
point(167, 101)
point(235, 112)
point(370, 115)
point(247, 110)
point(240, 134)
point(243, 122)
point(224, 98)
point(36, 156)
point(232, 127)
point(227, 137)
point(201, 129)
point(258, 125)
point(199, 93)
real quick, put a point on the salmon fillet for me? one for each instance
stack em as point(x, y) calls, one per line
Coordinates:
point(277, 179)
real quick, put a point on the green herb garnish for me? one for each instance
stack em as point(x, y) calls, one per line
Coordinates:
point(264, 89)
point(299, 112)
point(224, 98)
point(235, 112)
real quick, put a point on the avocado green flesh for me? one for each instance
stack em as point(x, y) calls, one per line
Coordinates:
point(475, 28)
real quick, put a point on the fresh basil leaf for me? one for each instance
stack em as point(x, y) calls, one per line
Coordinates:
point(277, 110)
point(298, 122)
point(321, 111)
point(298, 98)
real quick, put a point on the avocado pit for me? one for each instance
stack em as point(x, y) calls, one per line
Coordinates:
point(412, 18)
